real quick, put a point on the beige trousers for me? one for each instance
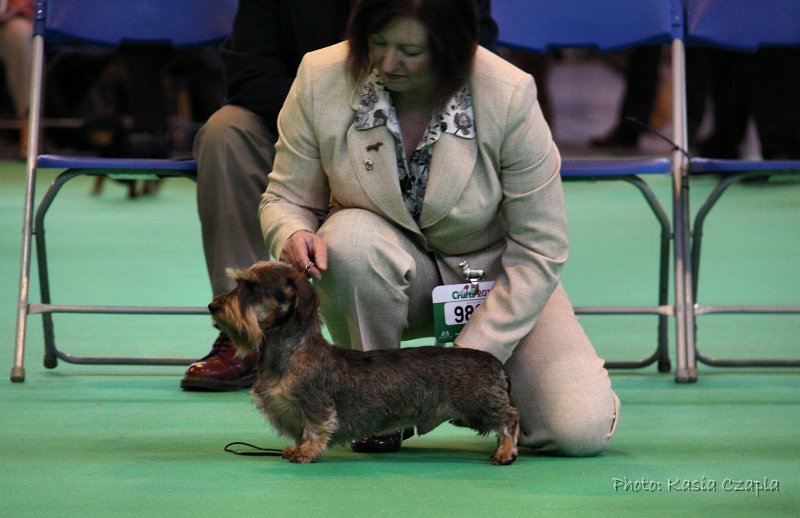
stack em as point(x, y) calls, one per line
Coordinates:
point(377, 292)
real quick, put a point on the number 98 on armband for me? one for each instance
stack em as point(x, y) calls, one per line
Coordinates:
point(454, 305)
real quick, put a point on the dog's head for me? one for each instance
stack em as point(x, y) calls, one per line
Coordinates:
point(268, 294)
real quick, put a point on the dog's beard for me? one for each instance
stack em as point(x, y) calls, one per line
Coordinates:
point(241, 327)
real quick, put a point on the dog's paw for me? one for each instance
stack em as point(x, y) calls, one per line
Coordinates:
point(302, 459)
point(503, 461)
point(504, 458)
point(297, 455)
point(289, 452)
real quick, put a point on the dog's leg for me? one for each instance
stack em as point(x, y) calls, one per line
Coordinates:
point(309, 450)
point(507, 437)
point(316, 437)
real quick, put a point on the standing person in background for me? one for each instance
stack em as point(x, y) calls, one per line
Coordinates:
point(235, 148)
point(638, 101)
point(761, 86)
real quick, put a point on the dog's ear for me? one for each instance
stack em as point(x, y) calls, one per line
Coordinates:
point(307, 302)
point(241, 274)
point(235, 273)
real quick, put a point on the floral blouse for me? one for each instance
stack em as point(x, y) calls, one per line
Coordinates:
point(376, 109)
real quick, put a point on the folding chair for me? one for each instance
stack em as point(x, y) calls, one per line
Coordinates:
point(745, 26)
point(610, 26)
point(103, 23)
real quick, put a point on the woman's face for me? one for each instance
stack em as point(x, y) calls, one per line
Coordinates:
point(401, 55)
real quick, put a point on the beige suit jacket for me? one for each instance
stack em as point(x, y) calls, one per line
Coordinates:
point(495, 201)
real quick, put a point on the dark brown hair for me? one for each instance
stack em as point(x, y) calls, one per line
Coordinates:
point(452, 27)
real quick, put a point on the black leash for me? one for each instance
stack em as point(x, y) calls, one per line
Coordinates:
point(261, 452)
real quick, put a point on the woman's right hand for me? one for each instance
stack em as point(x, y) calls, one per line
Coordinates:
point(304, 248)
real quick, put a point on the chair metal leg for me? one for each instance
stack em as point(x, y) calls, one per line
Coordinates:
point(46, 308)
point(685, 370)
point(18, 369)
point(700, 309)
point(699, 221)
point(662, 352)
point(50, 359)
point(688, 337)
point(37, 67)
point(663, 310)
point(50, 351)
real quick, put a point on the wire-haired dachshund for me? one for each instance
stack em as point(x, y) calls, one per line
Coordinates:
point(317, 393)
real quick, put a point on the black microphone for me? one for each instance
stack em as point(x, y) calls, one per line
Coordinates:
point(645, 127)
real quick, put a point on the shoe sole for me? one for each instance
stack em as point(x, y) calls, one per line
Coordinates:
point(213, 385)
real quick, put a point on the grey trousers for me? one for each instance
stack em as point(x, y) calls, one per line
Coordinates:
point(377, 292)
point(234, 153)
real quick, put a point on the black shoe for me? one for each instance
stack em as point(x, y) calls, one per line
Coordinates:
point(381, 443)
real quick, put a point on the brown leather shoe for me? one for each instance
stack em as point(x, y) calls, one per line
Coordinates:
point(220, 370)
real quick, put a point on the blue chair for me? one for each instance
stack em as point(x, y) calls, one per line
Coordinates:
point(610, 26)
point(108, 24)
point(746, 26)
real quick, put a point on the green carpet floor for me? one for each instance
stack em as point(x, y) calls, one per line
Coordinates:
point(126, 441)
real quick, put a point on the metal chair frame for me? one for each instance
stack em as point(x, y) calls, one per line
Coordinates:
point(744, 26)
point(733, 172)
point(630, 171)
point(105, 23)
point(610, 27)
